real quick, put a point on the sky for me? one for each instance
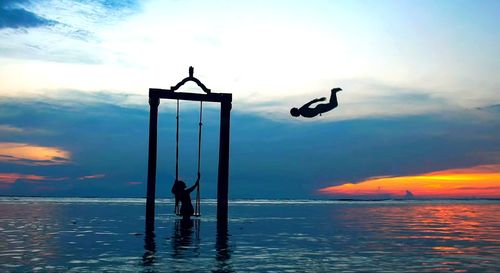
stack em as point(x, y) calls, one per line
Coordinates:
point(419, 110)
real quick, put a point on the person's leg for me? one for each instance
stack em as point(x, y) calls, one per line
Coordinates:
point(325, 107)
point(333, 98)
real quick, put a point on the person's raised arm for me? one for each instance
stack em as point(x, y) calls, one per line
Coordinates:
point(195, 184)
point(307, 105)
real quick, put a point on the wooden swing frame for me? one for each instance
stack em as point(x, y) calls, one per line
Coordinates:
point(225, 99)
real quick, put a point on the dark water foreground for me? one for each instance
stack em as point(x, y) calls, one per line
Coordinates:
point(98, 235)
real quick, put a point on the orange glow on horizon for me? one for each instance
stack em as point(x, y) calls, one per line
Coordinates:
point(28, 154)
point(479, 181)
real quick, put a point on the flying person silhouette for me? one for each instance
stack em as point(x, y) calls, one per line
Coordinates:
point(308, 112)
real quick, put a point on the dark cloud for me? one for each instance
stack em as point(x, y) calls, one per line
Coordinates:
point(13, 3)
point(268, 158)
point(32, 162)
point(73, 23)
point(20, 18)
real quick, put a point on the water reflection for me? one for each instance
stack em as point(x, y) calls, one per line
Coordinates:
point(186, 251)
point(341, 237)
point(149, 257)
point(457, 222)
point(28, 235)
point(222, 249)
point(183, 244)
point(447, 236)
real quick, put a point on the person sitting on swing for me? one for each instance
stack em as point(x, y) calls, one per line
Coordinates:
point(182, 195)
point(308, 112)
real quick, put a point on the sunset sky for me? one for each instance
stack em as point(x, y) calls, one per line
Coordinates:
point(419, 110)
point(480, 181)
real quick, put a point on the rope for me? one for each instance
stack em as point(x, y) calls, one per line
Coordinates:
point(177, 146)
point(197, 209)
point(199, 136)
point(177, 209)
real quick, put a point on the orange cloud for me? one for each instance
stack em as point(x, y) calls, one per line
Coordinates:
point(10, 178)
point(479, 181)
point(134, 183)
point(28, 154)
point(93, 176)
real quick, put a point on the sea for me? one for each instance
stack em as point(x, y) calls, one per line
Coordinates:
point(108, 235)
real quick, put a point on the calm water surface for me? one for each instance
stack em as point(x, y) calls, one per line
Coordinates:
point(102, 235)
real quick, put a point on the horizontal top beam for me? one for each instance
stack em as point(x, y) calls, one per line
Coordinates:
point(169, 94)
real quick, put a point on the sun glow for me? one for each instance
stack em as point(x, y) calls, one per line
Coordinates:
point(479, 181)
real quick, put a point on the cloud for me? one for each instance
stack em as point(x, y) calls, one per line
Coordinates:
point(13, 177)
point(305, 55)
point(20, 18)
point(28, 29)
point(92, 177)
point(7, 129)
point(269, 158)
point(134, 183)
point(29, 154)
point(473, 182)
point(10, 178)
point(363, 98)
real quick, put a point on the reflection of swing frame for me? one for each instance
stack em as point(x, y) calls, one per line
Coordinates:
point(225, 99)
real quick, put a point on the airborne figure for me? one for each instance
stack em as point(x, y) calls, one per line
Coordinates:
point(308, 112)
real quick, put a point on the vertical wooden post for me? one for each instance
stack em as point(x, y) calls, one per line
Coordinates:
point(223, 178)
point(151, 187)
